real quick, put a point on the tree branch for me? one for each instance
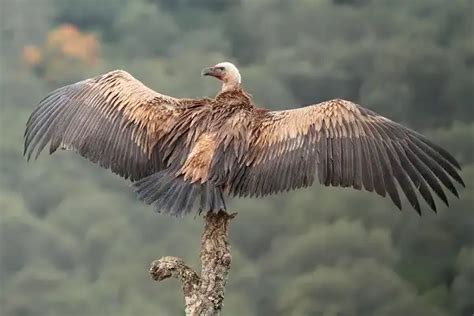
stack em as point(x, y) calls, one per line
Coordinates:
point(175, 267)
point(203, 294)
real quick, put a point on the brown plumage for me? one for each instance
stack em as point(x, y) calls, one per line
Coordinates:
point(179, 151)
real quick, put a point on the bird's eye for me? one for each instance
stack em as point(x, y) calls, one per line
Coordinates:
point(220, 68)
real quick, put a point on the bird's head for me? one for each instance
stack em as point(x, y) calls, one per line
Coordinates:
point(225, 72)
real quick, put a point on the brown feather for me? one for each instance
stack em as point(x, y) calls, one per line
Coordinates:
point(178, 149)
point(112, 119)
point(352, 146)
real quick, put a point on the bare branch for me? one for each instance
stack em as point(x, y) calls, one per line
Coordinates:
point(203, 295)
point(167, 267)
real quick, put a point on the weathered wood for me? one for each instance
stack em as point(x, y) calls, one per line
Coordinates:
point(204, 294)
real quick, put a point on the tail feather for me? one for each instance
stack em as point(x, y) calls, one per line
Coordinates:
point(174, 196)
point(215, 199)
point(180, 203)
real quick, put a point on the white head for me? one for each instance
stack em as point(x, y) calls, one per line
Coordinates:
point(227, 73)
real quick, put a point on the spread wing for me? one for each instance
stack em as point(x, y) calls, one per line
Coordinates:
point(345, 145)
point(112, 119)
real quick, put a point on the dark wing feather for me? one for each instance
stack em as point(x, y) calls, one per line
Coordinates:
point(347, 145)
point(112, 119)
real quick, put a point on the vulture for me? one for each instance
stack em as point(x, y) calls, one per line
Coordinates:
point(182, 154)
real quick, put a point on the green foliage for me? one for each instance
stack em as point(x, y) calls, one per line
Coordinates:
point(74, 240)
point(464, 282)
point(90, 15)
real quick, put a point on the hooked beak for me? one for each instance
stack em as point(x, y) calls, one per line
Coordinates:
point(209, 71)
point(212, 71)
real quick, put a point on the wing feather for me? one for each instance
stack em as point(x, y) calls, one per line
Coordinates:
point(112, 119)
point(346, 145)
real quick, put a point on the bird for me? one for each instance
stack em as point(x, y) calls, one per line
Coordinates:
point(185, 154)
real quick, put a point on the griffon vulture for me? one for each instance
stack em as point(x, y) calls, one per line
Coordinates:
point(183, 152)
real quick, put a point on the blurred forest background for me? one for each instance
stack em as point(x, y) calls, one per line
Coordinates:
point(74, 240)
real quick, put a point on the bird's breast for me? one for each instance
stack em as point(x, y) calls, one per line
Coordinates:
point(196, 166)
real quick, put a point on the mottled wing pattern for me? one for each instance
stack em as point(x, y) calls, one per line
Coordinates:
point(343, 144)
point(112, 119)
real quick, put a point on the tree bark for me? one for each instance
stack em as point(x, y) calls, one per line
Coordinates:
point(204, 294)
